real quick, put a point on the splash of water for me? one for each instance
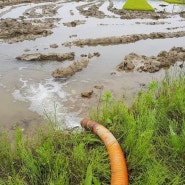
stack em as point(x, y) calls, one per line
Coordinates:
point(46, 98)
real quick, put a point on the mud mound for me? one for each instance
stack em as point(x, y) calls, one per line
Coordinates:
point(91, 10)
point(124, 39)
point(152, 64)
point(14, 30)
point(47, 57)
point(70, 70)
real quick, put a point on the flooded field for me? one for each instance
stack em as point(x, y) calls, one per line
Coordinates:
point(56, 58)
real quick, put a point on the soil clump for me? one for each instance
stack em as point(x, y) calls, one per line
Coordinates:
point(152, 64)
point(91, 55)
point(14, 2)
point(74, 23)
point(123, 39)
point(87, 94)
point(14, 30)
point(53, 46)
point(47, 57)
point(91, 10)
point(70, 70)
point(48, 10)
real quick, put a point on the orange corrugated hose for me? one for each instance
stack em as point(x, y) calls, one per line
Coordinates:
point(119, 173)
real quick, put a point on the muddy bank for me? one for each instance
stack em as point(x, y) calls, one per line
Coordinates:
point(125, 39)
point(17, 30)
point(153, 63)
point(70, 70)
point(47, 57)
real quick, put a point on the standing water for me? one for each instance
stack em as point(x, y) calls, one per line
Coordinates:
point(30, 95)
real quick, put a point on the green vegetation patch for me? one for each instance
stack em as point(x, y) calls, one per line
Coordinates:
point(142, 5)
point(54, 158)
point(151, 132)
point(175, 1)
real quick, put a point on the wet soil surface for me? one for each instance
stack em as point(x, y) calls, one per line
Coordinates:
point(70, 70)
point(4, 3)
point(13, 30)
point(154, 63)
point(123, 39)
point(47, 57)
point(71, 52)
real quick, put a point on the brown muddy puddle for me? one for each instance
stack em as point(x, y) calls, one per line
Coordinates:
point(29, 93)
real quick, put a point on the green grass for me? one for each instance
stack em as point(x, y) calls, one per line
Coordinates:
point(175, 1)
point(151, 132)
point(54, 158)
point(141, 5)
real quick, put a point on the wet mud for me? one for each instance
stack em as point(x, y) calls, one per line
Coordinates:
point(74, 23)
point(17, 30)
point(47, 57)
point(87, 94)
point(4, 3)
point(70, 70)
point(85, 88)
point(92, 10)
point(48, 10)
point(152, 64)
point(125, 39)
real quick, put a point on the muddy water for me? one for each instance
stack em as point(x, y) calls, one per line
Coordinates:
point(28, 92)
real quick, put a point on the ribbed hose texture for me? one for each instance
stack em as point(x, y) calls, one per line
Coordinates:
point(119, 173)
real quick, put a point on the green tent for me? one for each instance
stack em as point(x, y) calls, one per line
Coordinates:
point(175, 1)
point(142, 5)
